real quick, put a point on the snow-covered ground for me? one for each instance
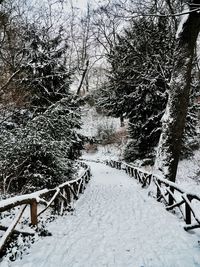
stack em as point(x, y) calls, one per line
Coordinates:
point(115, 224)
point(188, 175)
point(103, 153)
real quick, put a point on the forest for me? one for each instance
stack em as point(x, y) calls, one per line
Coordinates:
point(84, 83)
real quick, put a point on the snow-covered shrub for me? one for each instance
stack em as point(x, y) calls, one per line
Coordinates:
point(90, 148)
point(41, 155)
point(105, 130)
point(18, 247)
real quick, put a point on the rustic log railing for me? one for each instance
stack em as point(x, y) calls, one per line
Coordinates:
point(176, 197)
point(171, 194)
point(114, 164)
point(143, 177)
point(60, 197)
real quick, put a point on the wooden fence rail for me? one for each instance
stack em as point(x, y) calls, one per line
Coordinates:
point(168, 192)
point(60, 197)
point(114, 164)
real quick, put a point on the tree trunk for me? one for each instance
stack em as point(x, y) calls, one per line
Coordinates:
point(82, 78)
point(173, 121)
point(121, 121)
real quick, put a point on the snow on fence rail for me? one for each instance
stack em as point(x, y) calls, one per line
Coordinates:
point(61, 197)
point(170, 193)
point(143, 177)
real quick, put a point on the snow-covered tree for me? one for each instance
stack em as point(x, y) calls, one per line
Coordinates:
point(41, 154)
point(38, 138)
point(45, 71)
point(174, 120)
point(140, 70)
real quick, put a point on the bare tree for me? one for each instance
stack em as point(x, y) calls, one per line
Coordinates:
point(85, 46)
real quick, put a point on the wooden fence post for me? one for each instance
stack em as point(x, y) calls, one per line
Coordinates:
point(158, 195)
point(171, 199)
point(132, 172)
point(88, 176)
point(33, 207)
point(75, 187)
point(68, 195)
point(135, 173)
point(120, 165)
point(187, 213)
point(144, 181)
point(82, 185)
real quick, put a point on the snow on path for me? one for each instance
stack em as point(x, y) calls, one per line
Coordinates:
point(115, 224)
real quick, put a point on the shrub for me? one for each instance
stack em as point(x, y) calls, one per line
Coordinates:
point(41, 154)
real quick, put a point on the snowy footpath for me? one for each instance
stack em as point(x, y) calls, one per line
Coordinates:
point(115, 224)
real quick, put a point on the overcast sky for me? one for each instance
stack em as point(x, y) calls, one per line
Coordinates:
point(83, 3)
point(80, 3)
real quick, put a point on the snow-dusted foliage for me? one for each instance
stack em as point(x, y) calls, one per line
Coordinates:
point(40, 155)
point(38, 141)
point(45, 71)
point(140, 70)
point(141, 67)
point(190, 137)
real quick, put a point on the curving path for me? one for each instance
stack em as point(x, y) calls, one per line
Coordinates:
point(115, 224)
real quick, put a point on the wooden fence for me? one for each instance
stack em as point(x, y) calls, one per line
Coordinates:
point(60, 197)
point(114, 164)
point(172, 195)
point(143, 177)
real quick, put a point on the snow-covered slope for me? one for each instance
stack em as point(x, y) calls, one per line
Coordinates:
point(115, 224)
point(188, 175)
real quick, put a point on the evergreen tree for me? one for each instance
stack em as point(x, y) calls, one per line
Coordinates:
point(138, 79)
point(39, 143)
point(137, 87)
point(45, 71)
